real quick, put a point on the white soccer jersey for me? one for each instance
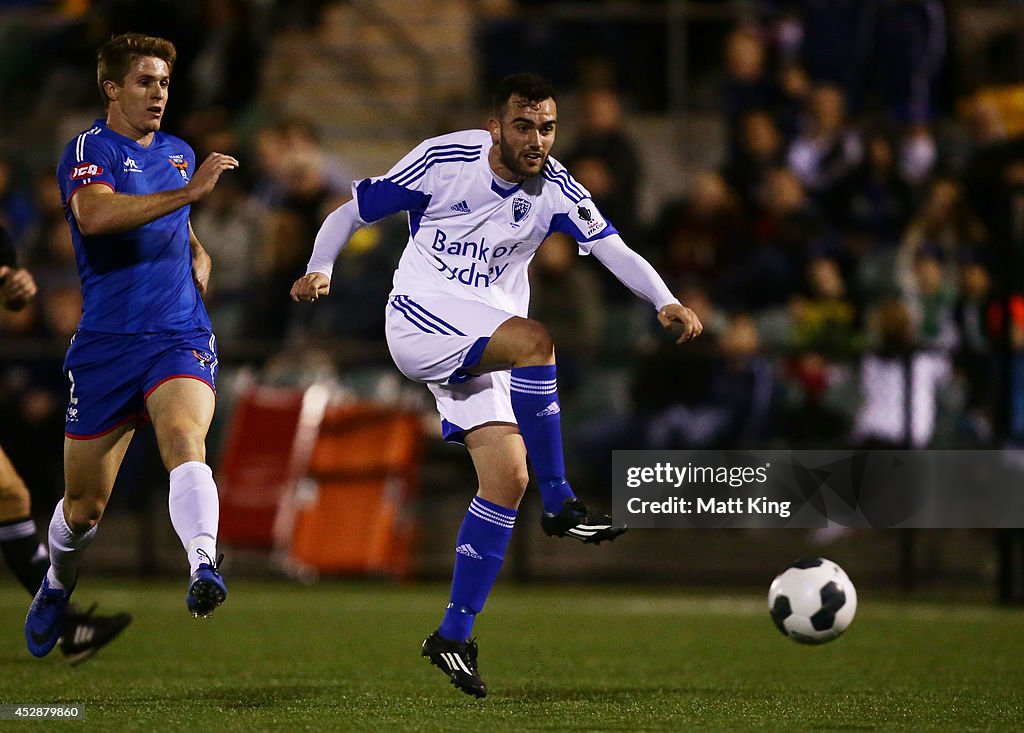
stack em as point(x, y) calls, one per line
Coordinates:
point(472, 235)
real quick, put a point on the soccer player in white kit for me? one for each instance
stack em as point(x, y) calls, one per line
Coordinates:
point(480, 203)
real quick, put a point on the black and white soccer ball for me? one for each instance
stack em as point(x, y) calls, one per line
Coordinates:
point(812, 601)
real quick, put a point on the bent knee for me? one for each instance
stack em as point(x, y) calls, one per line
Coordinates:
point(506, 489)
point(12, 488)
point(83, 516)
point(535, 343)
point(14, 497)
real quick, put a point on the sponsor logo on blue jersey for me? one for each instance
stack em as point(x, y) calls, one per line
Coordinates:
point(85, 170)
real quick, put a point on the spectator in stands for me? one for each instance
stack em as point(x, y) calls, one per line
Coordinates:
point(770, 271)
point(836, 43)
point(824, 320)
point(828, 149)
point(759, 150)
point(17, 210)
point(748, 83)
point(306, 183)
point(873, 199)
point(605, 160)
point(919, 154)
point(910, 48)
point(697, 238)
point(222, 73)
point(931, 299)
point(899, 385)
point(944, 222)
point(721, 396)
point(224, 217)
point(973, 356)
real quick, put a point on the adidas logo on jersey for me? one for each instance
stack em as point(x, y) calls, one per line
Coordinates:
point(552, 409)
point(461, 208)
point(468, 551)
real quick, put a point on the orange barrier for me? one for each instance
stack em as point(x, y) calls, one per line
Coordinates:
point(257, 468)
point(365, 464)
point(330, 488)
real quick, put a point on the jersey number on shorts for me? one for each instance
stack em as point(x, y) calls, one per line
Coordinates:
point(72, 400)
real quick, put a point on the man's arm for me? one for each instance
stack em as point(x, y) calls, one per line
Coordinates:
point(639, 276)
point(337, 229)
point(99, 210)
point(202, 265)
point(17, 287)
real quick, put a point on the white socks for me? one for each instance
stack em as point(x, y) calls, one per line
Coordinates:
point(195, 511)
point(65, 550)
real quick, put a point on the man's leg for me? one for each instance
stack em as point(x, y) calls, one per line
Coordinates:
point(90, 467)
point(84, 633)
point(524, 346)
point(181, 410)
point(24, 554)
point(500, 460)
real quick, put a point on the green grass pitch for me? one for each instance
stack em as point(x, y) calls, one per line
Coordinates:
point(345, 656)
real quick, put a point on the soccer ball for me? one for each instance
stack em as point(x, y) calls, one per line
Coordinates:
point(812, 601)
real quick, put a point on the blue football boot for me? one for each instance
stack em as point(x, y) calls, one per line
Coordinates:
point(44, 623)
point(206, 589)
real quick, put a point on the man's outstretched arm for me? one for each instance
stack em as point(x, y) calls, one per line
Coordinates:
point(639, 276)
point(334, 234)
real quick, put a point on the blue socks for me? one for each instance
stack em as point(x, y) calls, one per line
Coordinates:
point(535, 404)
point(479, 552)
point(483, 538)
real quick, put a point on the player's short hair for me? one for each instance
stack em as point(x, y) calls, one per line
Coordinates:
point(531, 87)
point(116, 55)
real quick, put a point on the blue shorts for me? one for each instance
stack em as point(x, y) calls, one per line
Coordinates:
point(109, 376)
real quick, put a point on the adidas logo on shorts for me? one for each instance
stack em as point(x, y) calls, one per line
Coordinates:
point(552, 409)
point(468, 551)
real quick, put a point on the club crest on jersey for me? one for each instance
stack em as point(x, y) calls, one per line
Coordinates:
point(179, 162)
point(85, 170)
point(520, 210)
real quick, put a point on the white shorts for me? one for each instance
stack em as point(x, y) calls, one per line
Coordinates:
point(434, 340)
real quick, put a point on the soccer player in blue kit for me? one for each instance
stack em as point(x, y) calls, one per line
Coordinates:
point(144, 346)
point(480, 202)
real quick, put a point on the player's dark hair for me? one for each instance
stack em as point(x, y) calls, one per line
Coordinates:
point(531, 87)
point(116, 55)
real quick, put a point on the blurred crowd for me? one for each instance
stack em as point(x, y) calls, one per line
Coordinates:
point(851, 255)
point(848, 255)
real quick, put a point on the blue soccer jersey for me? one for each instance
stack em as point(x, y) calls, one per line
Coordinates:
point(138, 281)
